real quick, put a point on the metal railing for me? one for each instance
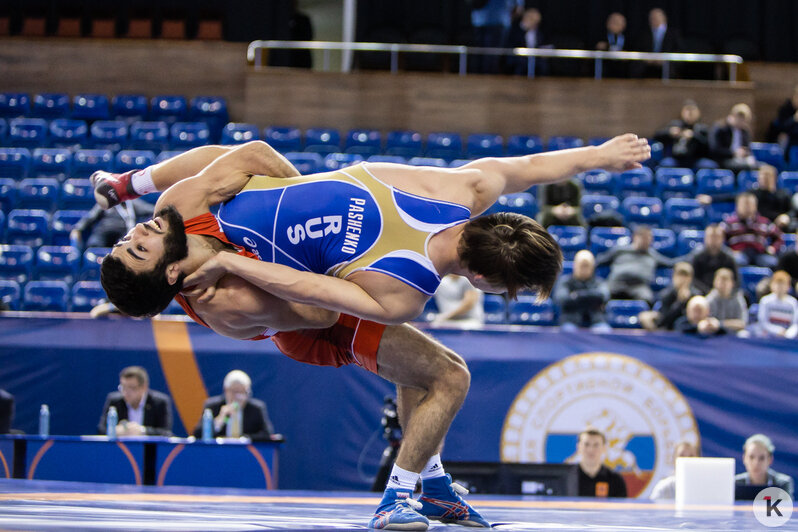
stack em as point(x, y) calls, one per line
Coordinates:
point(255, 51)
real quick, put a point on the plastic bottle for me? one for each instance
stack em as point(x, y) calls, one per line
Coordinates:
point(234, 422)
point(44, 421)
point(207, 425)
point(111, 421)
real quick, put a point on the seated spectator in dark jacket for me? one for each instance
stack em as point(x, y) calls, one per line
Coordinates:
point(560, 204)
point(753, 239)
point(582, 296)
point(707, 259)
point(686, 140)
point(660, 38)
point(595, 478)
point(789, 263)
point(697, 319)
point(140, 410)
point(104, 228)
point(633, 267)
point(614, 41)
point(6, 411)
point(237, 398)
point(784, 129)
point(730, 140)
point(726, 302)
point(525, 33)
point(673, 299)
point(757, 459)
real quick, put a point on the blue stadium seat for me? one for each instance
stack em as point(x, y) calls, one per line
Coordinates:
point(284, 139)
point(86, 162)
point(428, 161)
point(716, 182)
point(638, 182)
point(567, 267)
point(336, 161)
point(688, 240)
point(90, 265)
point(322, 140)
point(76, 194)
point(68, 133)
point(520, 202)
point(571, 238)
point(129, 107)
point(642, 210)
point(396, 159)
point(484, 145)
point(706, 164)
point(2, 226)
point(563, 142)
point(167, 154)
point(16, 262)
point(789, 181)
point(430, 311)
point(14, 162)
point(524, 144)
point(3, 131)
point(38, 193)
point(10, 294)
point(168, 108)
point(62, 223)
point(212, 110)
point(152, 135)
point(526, 311)
point(405, 144)
point(597, 141)
point(719, 210)
point(789, 241)
point(186, 135)
point(747, 180)
point(56, 263)
point(684, 213)
point(86, 295)
point(50, 105)
point(768, 153)
point(604, 238)
point(457, 163)
point(51, 162)
point(306, 163)
point(657, 153)
point(596, 204)
point(792, 157)
point(49, 296)
point(363, 142)
point(90, 107)
point(623, 314)
point(447, 146)
point(662, 279)
point(598, 182)
point(664, 241)
point(8, 193)
point(28, 133)
point(14, 104)
point(750, 277)
point(495, 308)
point(675, 183)
point(109, 134)
point(28, 227)
point(239, 133)
point(127, 160)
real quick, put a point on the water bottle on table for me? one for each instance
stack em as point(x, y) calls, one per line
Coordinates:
point(44, 421)
point(207, 425)
point(111, 422)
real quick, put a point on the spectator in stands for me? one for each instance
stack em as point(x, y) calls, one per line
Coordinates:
point(660, 38)
point(726, 302)
point(685, 139)
point(757, 458)
point(697, 320)
point(788, 262)
point(141, 410)
point(633, 267)
point(582, 296)
point(525, 33)
point(491, 22)
point(237, 398)
point(6, 411)
point(560, 204)
point(666, 488)
point(459, 303)
point(104, 228)
point(784, 129)
point(730, 140)
point(614, 41)
point(778, 310)
point(712, 256)
point(673, 300)
point(595, 478)
point(754, 239)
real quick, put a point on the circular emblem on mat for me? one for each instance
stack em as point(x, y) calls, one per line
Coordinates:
point(640, 412)
point(773, 507)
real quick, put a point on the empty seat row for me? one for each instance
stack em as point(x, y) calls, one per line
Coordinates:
point(45, 193)
point(675, 213)
point(35, 227)
point(21, 263)
point(51, 296)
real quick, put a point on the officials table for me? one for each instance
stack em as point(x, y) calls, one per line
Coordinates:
point(143, 460)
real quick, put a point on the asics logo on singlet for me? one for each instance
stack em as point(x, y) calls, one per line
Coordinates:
point(314, 228)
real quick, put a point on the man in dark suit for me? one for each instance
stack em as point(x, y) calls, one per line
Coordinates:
point(237, 397)
point(141, 411)
point(6, 411)
point(659, 39)
point(730, 140)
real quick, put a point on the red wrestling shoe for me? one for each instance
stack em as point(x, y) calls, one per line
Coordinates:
point(112, 189)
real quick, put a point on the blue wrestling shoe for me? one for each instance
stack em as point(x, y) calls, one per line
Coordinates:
point(397, 511)
point(441, 500)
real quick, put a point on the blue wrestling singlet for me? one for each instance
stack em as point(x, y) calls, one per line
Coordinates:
point(339, 224)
